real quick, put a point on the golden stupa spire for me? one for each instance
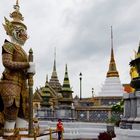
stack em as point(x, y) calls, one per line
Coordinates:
point(112, 72)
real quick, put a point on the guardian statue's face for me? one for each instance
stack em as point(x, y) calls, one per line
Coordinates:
point(16, 29)
point(19, 35)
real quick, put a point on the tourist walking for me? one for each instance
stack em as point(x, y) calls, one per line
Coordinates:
point(60, 129)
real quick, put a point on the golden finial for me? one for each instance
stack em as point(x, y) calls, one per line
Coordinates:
point(17, 2)
point(16, 7)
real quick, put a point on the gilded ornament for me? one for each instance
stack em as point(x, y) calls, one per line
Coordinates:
point(133, 72)
point(8, 26)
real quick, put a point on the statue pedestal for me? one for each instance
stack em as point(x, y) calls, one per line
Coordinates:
point(10, 138)
point(46, 137)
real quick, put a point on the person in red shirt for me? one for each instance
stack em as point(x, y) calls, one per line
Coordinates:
point(59, 129)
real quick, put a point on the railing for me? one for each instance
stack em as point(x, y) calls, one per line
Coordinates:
point(50, 132)
point(47, 134)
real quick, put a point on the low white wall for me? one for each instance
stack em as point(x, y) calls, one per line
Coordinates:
point(127, 134)
point(76, 130)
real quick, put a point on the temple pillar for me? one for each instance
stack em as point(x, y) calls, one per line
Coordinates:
point(109, 114)
point(127, 112)
point(133, 108)
point(88, 115)
point(127, 106)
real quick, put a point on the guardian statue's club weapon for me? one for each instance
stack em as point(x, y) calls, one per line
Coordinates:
point(30, 84)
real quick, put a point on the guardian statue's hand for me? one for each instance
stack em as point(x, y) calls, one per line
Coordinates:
point(31, 69)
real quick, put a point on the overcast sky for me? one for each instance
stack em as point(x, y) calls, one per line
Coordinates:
point(80, 31)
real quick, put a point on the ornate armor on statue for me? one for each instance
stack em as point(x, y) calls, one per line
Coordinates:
point(14, 87)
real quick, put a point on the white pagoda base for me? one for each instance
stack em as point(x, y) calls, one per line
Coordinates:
point(111, 87)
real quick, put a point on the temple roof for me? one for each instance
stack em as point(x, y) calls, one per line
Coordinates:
point(47, 93)
point(47, 90)
point(36, 96)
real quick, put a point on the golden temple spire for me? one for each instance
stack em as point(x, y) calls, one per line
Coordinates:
point(112, 72)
